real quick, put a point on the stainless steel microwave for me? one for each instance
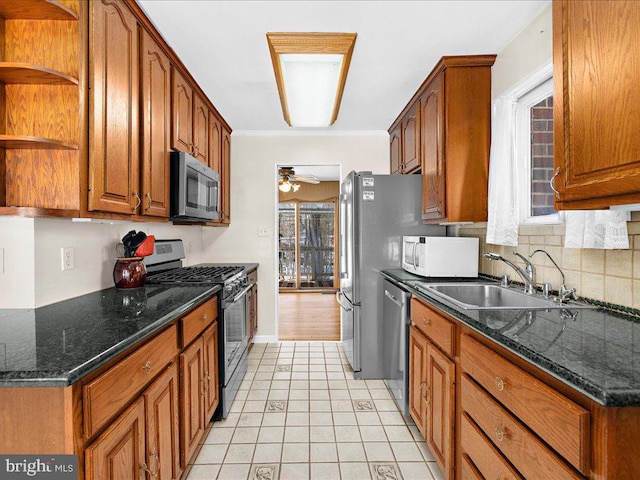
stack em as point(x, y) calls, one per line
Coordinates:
point(194, 190)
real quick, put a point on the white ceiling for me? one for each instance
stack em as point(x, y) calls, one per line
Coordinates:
point(223, 45)
point(324, 173)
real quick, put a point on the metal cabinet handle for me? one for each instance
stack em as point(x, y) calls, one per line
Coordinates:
point(499, 384)
point(148, 197)
point(135, 194)
point(143, 467)
point(147, 367)
point(500, 434)
point(551, 182)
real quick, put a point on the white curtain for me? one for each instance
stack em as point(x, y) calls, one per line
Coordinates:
point(502, 225)
point(604, 229)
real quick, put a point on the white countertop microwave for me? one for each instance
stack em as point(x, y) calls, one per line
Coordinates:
point(440, 256)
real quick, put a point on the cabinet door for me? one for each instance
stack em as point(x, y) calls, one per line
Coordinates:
point(200, 130)
point(596, 115)
point(225, 178)
point(113, 105)
point(253, 310)
point(119, 452)
point(182, 113)
point(418, 378)
point(156, 120)
point(432, 147)
point(440, 407)
point(161, 415)
point(411, 140)
point(211, 383)
point(192, 399)
point(396, 149)
point(215, 143)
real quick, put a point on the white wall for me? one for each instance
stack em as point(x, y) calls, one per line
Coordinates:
point(33, 275)
point(529, 50)
point(17, 244)
point(253, 199)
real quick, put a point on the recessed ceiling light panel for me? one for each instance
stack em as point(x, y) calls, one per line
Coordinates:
point(311, 71)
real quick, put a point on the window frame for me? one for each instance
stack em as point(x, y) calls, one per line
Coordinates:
point(532, 90)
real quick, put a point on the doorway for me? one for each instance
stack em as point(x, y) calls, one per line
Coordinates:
point(307, 254)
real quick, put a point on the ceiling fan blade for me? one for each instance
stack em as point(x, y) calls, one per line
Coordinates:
point(307, 180)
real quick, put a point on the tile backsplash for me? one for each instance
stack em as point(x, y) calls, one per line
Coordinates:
point(611, 276)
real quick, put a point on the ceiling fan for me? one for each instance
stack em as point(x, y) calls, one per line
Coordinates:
point(288, 175)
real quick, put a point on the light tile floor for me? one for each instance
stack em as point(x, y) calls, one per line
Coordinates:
point(300, 415)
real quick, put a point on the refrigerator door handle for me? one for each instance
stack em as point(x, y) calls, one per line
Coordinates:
point(392, 298)
point(346, 309)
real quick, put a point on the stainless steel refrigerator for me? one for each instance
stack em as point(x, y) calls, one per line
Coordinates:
point(375, 212)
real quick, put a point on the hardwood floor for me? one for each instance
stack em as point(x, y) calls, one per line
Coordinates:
point(308, 316)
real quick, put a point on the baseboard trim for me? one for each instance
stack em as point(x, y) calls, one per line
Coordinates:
point(265, 339)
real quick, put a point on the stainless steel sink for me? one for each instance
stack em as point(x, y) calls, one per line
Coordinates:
point(485, 296)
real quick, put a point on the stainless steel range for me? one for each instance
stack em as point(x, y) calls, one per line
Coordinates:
point(165, 266)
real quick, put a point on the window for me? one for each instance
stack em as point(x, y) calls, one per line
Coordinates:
point(534, 155)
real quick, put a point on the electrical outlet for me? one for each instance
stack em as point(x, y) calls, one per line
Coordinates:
point(263, 232)
point(67, 258)
point(1, 261)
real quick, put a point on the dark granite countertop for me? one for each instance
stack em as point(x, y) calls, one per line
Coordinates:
point(58, 344)
point(595, 351)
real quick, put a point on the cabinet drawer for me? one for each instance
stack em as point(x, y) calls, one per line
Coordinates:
point(468, 471)
point(440, 330)
point(110, 392)
point(525, 451)
point(193, 323)
point(486, 458)
point(556, 419)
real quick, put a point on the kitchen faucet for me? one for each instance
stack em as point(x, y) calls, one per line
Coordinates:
point(528, 275)
point(564, 294)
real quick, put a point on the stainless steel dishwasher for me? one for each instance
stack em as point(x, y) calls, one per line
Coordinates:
point(396, 344)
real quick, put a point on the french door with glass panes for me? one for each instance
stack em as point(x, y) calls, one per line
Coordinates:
point(307, 247)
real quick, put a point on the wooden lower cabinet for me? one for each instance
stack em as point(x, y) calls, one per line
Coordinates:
point(163, 427)
point(418, 345)
point(192, 398)
point(432, 397)
point(211, 382)
point(119, 452)
point(143, 440)
point(199, 389)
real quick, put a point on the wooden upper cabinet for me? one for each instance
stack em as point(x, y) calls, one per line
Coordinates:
point(432, 151)
point(215, 143)
point(225, 178)
point(411, 140)
point(182, 113)
point(396, 149)
point(200, 130)
point(113, 104)
point(155, 118)
point(596, 93)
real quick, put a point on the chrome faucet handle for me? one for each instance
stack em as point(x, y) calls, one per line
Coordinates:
point(530, 270)
point(565, 294)
point(505, 280)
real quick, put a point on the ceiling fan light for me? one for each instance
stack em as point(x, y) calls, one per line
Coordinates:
point(285, 186)
point(296, 186)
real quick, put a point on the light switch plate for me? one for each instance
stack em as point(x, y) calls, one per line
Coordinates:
point(263, 232)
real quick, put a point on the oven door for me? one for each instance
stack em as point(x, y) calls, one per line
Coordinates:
point(235, 337)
